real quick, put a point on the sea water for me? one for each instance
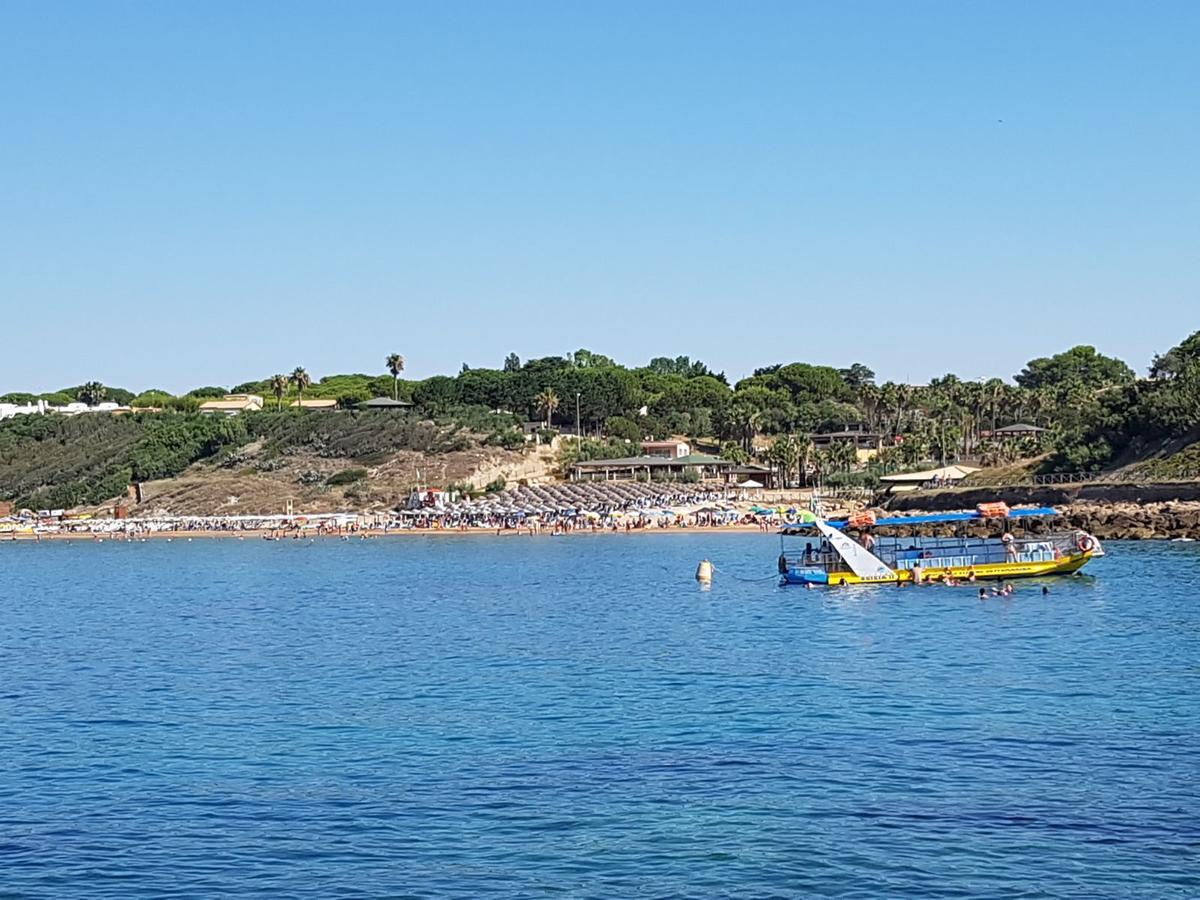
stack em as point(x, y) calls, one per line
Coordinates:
point(517, 716)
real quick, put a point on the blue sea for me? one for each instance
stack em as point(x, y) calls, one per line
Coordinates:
point(475, 716)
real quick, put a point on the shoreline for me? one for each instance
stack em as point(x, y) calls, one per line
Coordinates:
point(1107, 521)
point(363, 534)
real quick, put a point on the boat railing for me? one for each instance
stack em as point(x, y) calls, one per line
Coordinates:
point(933, 553)
point(966, 560)
point(941, 553)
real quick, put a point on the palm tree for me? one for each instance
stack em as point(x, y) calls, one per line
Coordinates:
point(785, 453)
point(301, 380)
point(395, 365)
point(279, 386)
point(994, 390)
point(841, 456)
point(822, 464)
point(744, 417)
point(91, 393)
point(870, 398)
point(547, 402)
point(806, 450)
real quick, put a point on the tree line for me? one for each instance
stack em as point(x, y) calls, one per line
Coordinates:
point(1094, 407)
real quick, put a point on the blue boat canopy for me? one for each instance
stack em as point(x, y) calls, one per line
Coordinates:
point(929, 519)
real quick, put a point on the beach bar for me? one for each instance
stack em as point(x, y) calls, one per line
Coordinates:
point(629, 468)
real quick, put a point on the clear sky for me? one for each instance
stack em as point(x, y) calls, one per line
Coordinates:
point(209, 192)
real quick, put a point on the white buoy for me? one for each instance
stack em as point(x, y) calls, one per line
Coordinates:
point(704, 572)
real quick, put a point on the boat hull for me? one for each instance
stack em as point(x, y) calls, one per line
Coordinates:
point(1000, 571)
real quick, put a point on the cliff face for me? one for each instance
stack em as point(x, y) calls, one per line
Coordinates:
point(1114, 512)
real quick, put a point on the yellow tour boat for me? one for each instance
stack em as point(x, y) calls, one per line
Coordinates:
point(832, 556)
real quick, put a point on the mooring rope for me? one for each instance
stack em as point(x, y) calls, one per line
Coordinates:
point(737, 577)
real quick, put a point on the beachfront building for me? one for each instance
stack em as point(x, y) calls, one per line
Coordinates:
point(750, 476)
point(314, 403)
point(946, 476)
point(630, 468)
point(231, 405)
point(666, 449)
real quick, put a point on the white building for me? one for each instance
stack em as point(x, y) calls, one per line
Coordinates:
point(666, 449)
point(8, 410)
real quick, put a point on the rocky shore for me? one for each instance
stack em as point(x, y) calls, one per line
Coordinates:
point(1107, 521)
point(1119, 511)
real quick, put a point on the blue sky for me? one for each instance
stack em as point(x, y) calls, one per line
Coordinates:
point(199, 193)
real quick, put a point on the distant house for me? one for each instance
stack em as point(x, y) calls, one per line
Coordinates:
point(77, 408)
point(384, 403)
point(666, 449)
point(867, 444)
point(8, 410)
point(231, 405)
point(315, 403)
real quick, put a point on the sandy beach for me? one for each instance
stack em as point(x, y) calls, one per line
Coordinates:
point(364, 534)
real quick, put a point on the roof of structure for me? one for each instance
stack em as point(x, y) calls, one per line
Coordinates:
point(384, 403)
point(945, 473)
point(641, 462)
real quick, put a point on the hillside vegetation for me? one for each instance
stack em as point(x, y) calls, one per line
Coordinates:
point(62, 462)
point(1097, 415)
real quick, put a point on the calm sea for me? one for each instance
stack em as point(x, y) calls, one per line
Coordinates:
point(476, 716)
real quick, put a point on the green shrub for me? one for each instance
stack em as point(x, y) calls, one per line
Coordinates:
point(346, 476)
point(622, 428)
point(509, 439)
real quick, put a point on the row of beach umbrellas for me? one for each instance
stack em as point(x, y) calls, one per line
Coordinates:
point(589, 499)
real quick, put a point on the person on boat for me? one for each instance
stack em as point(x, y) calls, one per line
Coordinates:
point(868, 542)
point(1010, 548)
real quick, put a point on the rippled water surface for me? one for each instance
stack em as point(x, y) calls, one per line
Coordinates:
point(476, 716)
